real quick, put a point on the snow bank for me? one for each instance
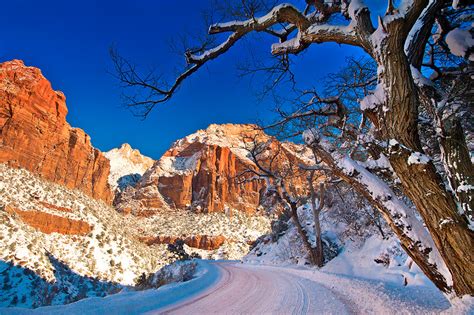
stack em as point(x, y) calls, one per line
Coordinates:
point(135, 302)
point(378, 259)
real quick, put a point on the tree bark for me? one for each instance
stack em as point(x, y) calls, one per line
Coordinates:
point(302, 233)
point(458, 165)
point(447, 227)
point(421, 182)
point(319, 253)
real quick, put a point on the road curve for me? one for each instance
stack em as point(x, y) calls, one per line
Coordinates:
point(247, 289)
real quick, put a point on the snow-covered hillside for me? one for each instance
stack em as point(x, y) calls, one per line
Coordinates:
point(127, 165)
point(59, 245)
point(353, 247)
point(43, 243)
point(239, 231)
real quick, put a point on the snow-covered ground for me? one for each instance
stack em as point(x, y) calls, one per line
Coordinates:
point(39, 268)
point(368, 265)
point(240, 230)
point(130, 301)
point(235, 288)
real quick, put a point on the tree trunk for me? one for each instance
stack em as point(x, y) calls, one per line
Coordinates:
point(458, 165)
point(293, 205)
point(401, 221)
point(319, 242)
point(302, 233)
point(420, 182)
point(319, 253)
point(447, 227)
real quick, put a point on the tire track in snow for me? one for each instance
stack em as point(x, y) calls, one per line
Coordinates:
point(246, 289)
point(226, 278)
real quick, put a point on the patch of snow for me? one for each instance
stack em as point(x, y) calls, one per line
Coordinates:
point(177, 165)
point(445, 221)
point(355, 6)
point(376, 98)
point(459, 42)
point(418, 158)
point(464, 188)
point(381, 163)
point(311, 136)
point(455, 4)
point(419, 78)
point(414, 31)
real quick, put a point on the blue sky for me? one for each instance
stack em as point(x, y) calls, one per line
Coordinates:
point(69, 42)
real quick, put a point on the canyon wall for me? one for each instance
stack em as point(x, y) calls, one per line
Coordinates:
point(35, 135)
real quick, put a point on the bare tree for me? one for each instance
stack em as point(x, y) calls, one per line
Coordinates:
point(285, 178)
point(317, 205)
point(397, 47)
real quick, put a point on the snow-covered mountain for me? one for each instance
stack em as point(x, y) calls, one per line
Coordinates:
point(201, 172)
point(127, 166)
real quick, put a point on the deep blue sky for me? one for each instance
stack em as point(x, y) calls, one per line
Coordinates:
point(69, 42)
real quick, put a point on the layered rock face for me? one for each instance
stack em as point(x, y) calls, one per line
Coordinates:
point(127, 166)
point(205, 242)
point(49, 223)
point(34, 133)
point(202, 172)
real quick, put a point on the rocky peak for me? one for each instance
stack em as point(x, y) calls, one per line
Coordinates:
point(127, 165)
point(35, 135)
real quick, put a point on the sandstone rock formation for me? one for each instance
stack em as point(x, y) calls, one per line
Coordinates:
point(34, 133)
point(202, 171)
point(54, 207)
point(127, 166)
point(197, 241)
point(50, 223)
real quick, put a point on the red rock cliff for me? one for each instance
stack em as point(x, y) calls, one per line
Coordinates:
point(200, 172)
point(34, 133)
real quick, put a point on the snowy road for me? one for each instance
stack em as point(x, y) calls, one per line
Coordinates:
point(259, 289)
point(234, 288)
point(247, 289)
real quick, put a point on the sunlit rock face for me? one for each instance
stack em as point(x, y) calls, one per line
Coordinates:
point(35, 135)
point(202, 172)
point(49, 223)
